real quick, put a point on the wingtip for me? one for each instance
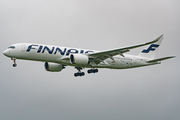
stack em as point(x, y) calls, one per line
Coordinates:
point(160, 36)
point(173, 56)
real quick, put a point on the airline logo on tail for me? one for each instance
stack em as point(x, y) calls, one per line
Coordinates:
point(152, 47)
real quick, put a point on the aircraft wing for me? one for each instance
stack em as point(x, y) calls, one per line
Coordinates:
point(101, 56)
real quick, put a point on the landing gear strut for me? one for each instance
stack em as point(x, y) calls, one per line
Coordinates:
point(79, 73)
point(14, 62)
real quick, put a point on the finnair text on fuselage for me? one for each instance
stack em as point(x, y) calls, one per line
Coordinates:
point(55, 50)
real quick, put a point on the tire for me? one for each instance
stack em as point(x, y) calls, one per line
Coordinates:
point(14, 65)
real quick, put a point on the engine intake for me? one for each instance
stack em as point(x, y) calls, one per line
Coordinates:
point(53, 67)
point(79, 59)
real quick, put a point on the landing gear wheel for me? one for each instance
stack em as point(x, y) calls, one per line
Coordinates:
point(75, 74)
point(14, 65)
point(79, 73)
point(92, 71)
point(96, 70)
point(89, 71)
point(14, 62)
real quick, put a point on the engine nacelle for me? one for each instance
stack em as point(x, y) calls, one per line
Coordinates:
point(53, 67)
point(79, 59)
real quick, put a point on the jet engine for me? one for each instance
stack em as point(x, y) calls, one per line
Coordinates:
point(79, 59)
point(53, 67)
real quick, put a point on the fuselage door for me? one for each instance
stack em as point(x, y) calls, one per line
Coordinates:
point(23, 48)
point(134, 60)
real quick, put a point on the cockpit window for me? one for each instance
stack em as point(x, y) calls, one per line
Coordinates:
point(12, 47)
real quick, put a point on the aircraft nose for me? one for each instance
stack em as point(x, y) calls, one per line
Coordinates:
point(6, 53)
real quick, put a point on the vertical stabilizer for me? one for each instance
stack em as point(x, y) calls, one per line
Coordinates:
point(152, 49)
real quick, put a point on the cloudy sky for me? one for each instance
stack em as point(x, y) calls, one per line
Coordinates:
point(28, 92)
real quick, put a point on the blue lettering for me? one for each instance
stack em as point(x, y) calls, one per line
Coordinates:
point(30, 47)
point(65, 51)
point(49, 51)
point(82, 51)
point(62, 52)
point(150, 48)
point(71, 51)
point(40, 48)
point(88, 52)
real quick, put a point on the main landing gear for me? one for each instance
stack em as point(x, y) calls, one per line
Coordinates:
point(92, 71)
point(14, 62)
point(79, 73)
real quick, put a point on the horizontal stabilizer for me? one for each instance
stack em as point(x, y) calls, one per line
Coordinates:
point(160, 59)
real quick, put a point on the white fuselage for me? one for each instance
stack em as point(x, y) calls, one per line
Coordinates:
point(56, 54)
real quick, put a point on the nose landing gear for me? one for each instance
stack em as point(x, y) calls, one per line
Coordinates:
point(14, 62)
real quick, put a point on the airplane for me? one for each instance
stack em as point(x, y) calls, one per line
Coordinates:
point(56, 58)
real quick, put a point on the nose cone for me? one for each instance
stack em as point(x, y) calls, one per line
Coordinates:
point(6, 53)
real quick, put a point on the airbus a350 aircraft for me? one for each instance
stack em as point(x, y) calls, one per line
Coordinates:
point(56, 58)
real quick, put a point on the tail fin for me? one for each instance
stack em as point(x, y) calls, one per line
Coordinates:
point(152, 49)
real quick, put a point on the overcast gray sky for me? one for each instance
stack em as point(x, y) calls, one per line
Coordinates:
point(28, 92)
